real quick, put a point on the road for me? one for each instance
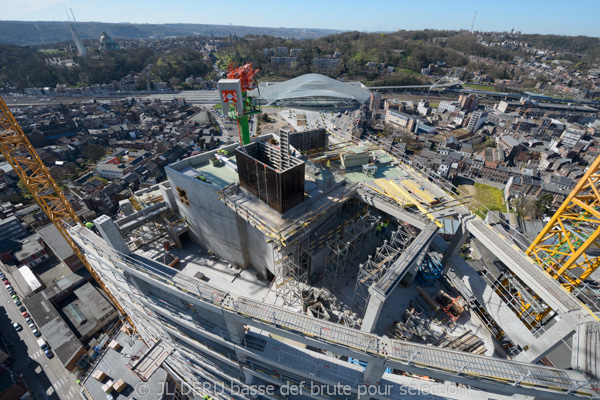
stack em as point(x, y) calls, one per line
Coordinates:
point(48, 379)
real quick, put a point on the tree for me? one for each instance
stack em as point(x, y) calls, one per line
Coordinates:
point(543, 203)
point(93, 152)
point(526, 207)
point(24, 191)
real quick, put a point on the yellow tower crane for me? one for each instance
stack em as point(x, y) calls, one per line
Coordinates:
point(25, 161)
point(568, 248)
point(564, 247)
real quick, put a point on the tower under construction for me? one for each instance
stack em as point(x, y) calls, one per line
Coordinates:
point(293, 260)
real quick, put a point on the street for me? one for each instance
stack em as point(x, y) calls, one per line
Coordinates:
point(46, 378)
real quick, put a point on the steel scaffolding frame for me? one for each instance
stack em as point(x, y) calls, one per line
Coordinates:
point(378, 263)
point(343, 253)
point(292, 271)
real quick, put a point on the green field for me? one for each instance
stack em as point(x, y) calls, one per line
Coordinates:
point(484, 196)
point(474, 86)
point(50, 51)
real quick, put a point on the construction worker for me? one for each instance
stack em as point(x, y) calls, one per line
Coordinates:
point(385, 225)
point(379, 227)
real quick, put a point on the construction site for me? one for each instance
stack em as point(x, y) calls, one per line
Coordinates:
point(347, 236)
point(307, 258)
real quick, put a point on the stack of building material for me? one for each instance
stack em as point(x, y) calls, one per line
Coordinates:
point(466, 342)
point(99, 375)
point(108, 387)
point(116, 346)
point(119, 385)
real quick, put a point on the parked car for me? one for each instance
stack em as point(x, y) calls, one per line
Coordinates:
point(9, 288)
point(28, 320)
point(36, 333)
point(15, 297)
point(22, 308)
point(25, 314)
point(2, 276)
point(17, 301)
point(49, 353)
point(17, 326)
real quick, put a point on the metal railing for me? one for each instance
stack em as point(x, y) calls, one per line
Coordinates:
point(402, 353)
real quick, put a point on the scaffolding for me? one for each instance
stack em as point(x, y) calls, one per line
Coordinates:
point(344, 251)
point(377, 264)
point(291, 271)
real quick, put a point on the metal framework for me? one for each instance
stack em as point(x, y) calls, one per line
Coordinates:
point(291, 271)
point(245, 74)
point(377, 264)
point(25, 161)
point(561, 246)
point(344, 251)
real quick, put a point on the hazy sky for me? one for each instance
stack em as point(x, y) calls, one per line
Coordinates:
point(568, 17)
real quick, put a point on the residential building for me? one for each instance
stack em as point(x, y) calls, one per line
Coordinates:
point(476, 120)
point(468, 102)
point(32, 252)
point(400, 119)
point(11, 228)
point(325, 63)
point(375, 102)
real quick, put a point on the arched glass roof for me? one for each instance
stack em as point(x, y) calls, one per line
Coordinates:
point(311, 89)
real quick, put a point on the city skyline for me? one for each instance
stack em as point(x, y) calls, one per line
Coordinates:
point(548, 17)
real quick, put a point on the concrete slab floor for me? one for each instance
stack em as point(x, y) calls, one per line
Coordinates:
point(219, 273)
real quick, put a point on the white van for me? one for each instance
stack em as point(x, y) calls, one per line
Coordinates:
point(42, 343)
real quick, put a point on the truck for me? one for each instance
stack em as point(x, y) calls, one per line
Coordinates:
point(43, 345)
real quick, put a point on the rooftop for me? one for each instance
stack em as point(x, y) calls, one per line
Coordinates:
point(92, 304)
point(57, 333)
point(55, 241)
point(217, 173)
point(115, 365)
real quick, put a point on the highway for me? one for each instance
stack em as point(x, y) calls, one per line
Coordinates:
point(47, 378)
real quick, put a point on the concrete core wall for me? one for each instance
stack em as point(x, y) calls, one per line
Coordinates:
point(212, 224)
point(216, 227)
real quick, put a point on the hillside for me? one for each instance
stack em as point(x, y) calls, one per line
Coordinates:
point(31, 33)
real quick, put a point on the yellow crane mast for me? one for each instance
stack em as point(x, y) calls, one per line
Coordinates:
point(25, 161)
point(568, 246)
point(563, 247)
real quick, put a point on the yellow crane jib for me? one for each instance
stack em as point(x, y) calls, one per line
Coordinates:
point(30, 168)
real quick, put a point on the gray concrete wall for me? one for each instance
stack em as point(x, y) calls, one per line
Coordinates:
point(260, 253)
point(212, 224)
point(215, 226)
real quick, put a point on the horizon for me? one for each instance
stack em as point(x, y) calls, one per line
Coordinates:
point(531, 17)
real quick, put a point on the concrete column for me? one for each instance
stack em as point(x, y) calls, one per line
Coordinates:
point(235, 328)
point(374, 372)
point(248, 377)
point(372, 312)
point(459, 238)
point(111, 234)
point(139, 284)
point(167, 193)
point(549, 341)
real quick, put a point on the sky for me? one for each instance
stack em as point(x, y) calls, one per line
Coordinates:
point(562, 17)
